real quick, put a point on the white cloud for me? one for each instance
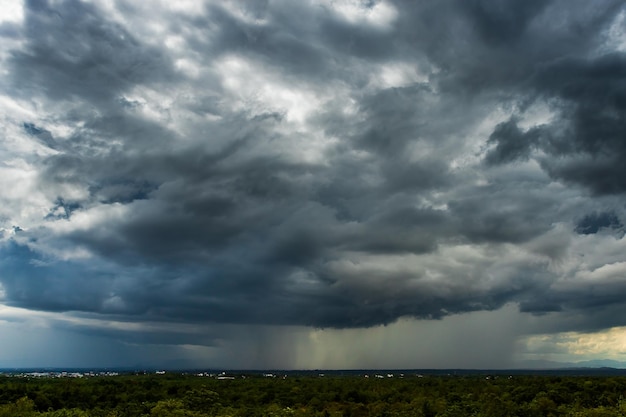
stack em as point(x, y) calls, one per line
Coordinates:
point(397, 74)
point(22, 203)
point(616, 36)
point(12, 11)
point(381, 14)
point(259, 90)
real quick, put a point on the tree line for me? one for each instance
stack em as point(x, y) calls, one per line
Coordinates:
point(429, 396)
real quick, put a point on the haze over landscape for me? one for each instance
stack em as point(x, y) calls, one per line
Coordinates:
point(312, 184)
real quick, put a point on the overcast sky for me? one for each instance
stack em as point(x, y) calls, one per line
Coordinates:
point(312, 184)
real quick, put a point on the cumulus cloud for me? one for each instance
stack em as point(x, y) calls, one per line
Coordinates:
point(318, 164)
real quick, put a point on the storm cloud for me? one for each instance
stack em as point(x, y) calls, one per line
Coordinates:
point(332, 165)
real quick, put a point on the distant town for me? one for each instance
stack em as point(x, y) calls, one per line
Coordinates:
point(282, 374)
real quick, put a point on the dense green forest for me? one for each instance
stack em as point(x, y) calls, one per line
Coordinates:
point(428, 396)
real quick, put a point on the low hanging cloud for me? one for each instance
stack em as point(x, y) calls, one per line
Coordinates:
point(324, 164)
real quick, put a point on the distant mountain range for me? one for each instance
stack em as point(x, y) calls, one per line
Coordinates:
point(535, 366)
point(597, 363)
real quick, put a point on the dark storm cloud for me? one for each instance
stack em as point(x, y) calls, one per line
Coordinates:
point(418, 185)
point(75, 52)
point(512, 212)
point(589, 137)
point(584, 87)
point(272, 44)
point(33, 282)
point(502, 22)
point(396, 117)
point(511, 143)
point(584, 309)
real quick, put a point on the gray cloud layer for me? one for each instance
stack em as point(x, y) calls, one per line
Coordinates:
point(284, 163)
